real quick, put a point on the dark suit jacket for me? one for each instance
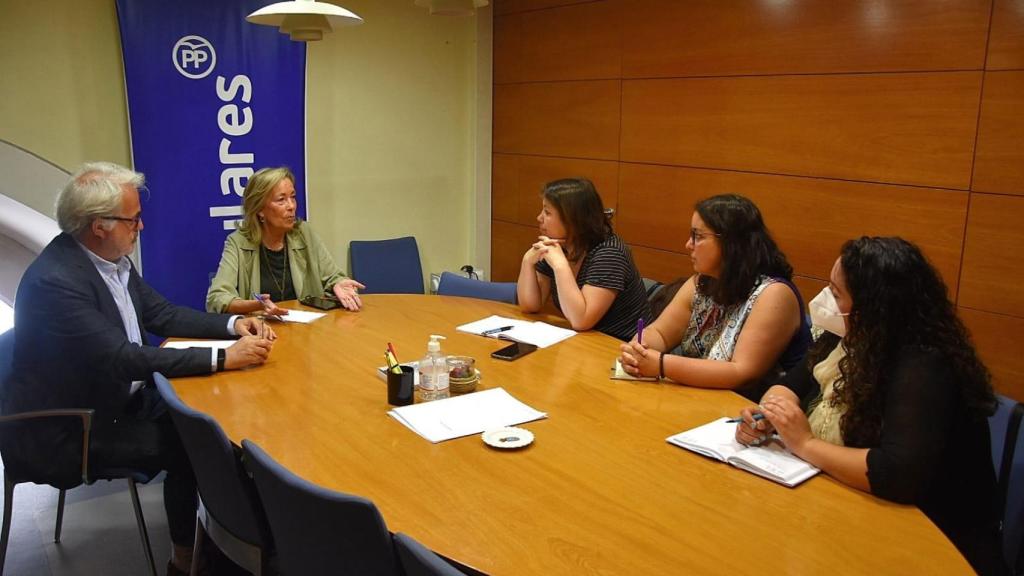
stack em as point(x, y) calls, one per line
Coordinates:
point(71, 350)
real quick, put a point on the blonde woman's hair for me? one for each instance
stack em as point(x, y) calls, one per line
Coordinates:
point(257, 189)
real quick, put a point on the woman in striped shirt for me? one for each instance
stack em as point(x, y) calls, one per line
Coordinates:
point(581, 264)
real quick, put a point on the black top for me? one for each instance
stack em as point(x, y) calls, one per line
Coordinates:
point(275, 276)
point(610, 265)
point(932, 453)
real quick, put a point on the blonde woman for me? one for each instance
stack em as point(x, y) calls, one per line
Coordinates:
point(275, 255)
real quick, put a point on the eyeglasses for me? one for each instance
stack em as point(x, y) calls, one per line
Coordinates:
point(133, 223)
point(697, 236)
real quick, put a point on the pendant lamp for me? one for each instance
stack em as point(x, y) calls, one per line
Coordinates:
point(452, 7)
point(304, 20)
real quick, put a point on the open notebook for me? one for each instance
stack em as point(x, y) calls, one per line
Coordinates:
point(537, 333)
point(772, 461)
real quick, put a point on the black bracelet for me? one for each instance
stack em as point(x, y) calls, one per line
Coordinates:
point(661, 366)
point(221, 357)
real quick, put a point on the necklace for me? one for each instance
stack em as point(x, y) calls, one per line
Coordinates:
point(270, 269)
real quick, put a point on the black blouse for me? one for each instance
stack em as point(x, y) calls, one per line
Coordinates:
point(932, 453)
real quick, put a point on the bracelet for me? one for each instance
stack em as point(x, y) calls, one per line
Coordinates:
point(661, 366)
point(221, 357)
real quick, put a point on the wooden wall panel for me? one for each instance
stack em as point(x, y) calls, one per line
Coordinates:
point(809, 218)
point(999, 160)
point(505, 187)
point(567, 119)
point(669, 38)
point(519, 182)
point(899, 128)
point(511, 6)
point(661, 265)
point(993, 269)
point(508, 244)
point(577, 42)
point(997, 339)
point(1006, 41)
point(508, 49)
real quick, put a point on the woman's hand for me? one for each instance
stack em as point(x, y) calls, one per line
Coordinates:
point(555, 255)
point(751, 432)
point(789, 421)
point(347, 292)
point(639, 360)
point(269, 307)
point(539, 249)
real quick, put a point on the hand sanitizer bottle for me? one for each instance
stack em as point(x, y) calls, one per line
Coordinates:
point(433, 372)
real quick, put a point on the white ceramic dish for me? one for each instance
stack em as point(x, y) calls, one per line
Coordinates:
point(507, 438)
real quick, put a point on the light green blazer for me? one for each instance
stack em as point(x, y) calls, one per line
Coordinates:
point(312, 270)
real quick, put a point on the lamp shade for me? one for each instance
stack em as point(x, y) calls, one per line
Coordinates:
point(452, 7)
point(304, 20)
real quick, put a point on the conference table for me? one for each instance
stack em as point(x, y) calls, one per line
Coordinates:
point(599, 491)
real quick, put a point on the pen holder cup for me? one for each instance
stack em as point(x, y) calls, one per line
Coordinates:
point(400, 386)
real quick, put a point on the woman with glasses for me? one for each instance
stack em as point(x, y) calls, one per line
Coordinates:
point(274, 256)
point(739, 320)
point(897, 400)
point(581, 264)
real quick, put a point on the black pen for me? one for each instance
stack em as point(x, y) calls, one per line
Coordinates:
point(496, 330)
point(756, 417)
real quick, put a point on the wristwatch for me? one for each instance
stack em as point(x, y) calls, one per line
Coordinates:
point(221, 356)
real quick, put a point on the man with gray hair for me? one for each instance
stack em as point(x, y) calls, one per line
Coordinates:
point(80, 316)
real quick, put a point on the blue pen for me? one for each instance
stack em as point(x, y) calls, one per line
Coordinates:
point(259, 298)
point(756, 417)
point(639, 330)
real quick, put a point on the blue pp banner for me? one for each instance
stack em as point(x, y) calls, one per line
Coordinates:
point(211, 99)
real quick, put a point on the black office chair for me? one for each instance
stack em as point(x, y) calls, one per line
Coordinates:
point(455, 285)
point(229, 509)
point(387, 266)
point(1005, 428)
point(18, 469)
point(319, 531)
point(418, 560)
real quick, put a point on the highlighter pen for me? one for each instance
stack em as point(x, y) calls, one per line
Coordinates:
point(496, 330)
point(756, 417)
point(639, 330)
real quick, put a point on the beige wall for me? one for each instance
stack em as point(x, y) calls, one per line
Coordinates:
point(392, 117)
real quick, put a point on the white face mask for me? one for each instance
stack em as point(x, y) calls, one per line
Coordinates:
point(825, 313)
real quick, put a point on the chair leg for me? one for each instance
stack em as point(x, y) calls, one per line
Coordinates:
point(197, 547)
point(8, 508)
point(60, 517)
point(142, 525)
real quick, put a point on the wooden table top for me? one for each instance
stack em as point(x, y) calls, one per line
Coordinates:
point(598, 492)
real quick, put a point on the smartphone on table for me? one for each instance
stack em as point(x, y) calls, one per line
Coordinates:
point(320, 302)
point(513, 351)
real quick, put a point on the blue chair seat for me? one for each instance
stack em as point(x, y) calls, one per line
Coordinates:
point(387, 266)
point(455, 285)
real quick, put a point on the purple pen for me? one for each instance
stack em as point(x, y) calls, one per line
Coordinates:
point(639, 330)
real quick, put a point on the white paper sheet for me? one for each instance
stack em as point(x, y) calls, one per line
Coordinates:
point(301, 316)
point(182, 344)
point(464, 415)
point(539, 334)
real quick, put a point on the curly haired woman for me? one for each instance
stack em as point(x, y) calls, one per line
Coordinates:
point(897, 399)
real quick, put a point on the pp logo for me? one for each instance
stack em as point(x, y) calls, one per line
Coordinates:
point(194, 57)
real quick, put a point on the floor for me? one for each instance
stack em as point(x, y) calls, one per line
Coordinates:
point(99, 534)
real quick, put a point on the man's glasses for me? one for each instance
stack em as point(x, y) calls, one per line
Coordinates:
point(133, 223)
point(697, 236)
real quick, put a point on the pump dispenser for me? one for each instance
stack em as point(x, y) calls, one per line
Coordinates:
point(433, 372)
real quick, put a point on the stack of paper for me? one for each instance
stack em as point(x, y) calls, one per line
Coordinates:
point(464, 415)
point(539, 334)
point(301, 316)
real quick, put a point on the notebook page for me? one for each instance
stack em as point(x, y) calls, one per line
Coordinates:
point(774, 462)
point(715, 439)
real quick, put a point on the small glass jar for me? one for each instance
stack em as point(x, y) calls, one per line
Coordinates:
point(462, 374)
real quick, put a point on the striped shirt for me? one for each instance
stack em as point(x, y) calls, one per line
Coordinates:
point(610, 265)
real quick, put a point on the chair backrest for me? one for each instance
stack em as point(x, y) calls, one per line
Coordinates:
point(319, 531)
point(226, 491)
point(455, 285)
point(1008, 457)
point(387, 266)
point(6, 359)
point(418, 560)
